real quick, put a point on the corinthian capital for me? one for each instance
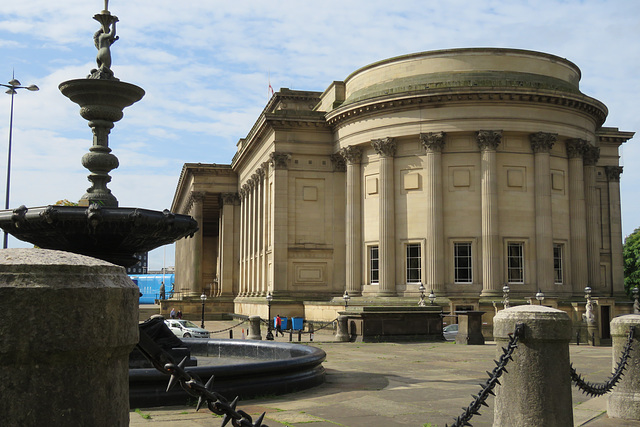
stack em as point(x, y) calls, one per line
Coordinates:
point(542, 142)
point(386, 147)
point(613, 172)
point(433, 141)
point(488, 139)
point(338, 162)
point(576, 147)
point(351, 154)
point(591, 155)
point(279, 160)
point(229, 198)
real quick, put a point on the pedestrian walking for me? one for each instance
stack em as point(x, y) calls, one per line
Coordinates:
point(179, 314)
point(279, 325)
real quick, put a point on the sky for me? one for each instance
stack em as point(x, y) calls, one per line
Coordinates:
point(206, 66)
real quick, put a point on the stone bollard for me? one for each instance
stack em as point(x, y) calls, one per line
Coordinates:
point(342, 334)
point(624, 400)
point(254, 328)
point(536, 391)
point(69, 323)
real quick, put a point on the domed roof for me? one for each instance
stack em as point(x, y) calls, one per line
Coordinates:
point(462, 68)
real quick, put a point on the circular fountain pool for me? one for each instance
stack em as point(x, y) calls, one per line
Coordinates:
point(241, 367)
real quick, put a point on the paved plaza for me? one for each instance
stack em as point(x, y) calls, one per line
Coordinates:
point(391, 384)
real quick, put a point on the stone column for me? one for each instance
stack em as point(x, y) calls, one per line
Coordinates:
point(226, 252)
point(353, 225)
point(541, 144)
point(488, 141)
point(624, 400)
point(434, 142)
point(280, 225)
point(244, 287)
point(386, 149)
point(615, 231)
point(196, 287)
point(253, 219)
point(265, 228)
point(577, 214)
point(536, 391)
point(260, 233)
point(54, 375)
point(593, 216)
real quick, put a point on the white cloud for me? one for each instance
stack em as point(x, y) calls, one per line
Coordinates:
point(204, 66)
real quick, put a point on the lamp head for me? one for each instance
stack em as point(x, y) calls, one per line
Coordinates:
point(346, 296)
point(539, 295)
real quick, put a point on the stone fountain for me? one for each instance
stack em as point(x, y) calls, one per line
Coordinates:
point(80, 310)
point(98, 227)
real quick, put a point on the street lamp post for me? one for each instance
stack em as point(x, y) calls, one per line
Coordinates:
point(12, 87)
point(540, 296)
point(432, 297)
point(269, 333)
point(421, 289)
point(346, 299)
point(203, 297)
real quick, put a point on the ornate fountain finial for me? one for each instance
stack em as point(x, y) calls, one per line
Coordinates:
point(103, 39)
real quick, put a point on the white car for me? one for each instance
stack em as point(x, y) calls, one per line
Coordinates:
point(186, 329)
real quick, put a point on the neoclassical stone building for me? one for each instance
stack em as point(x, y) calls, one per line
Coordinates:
point(462, 170)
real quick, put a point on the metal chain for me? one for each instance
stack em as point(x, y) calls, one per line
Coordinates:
point(487, 387)
point(595, 389)
point(326, 325)
point(216, 402)
point(229, 328)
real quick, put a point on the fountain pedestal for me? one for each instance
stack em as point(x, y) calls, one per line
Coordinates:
point(72, 322)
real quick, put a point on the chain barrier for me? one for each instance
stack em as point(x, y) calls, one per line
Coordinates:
point(595, 389)
point(489, 385)
point(330, 323)
point(192, 384)
point(229, 328)
point(216, 402)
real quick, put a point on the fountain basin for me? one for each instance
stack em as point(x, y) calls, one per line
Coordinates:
point(113, 234)
point(274, 369)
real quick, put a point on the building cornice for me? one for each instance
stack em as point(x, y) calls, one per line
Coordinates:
point(182, 193)
point(355, 111)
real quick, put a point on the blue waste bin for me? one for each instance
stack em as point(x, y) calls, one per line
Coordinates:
point(297, 323)
point(284, 323)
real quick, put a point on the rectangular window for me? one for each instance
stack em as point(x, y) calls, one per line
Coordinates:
point(557, 264)
point(374, 265)
point(414, 262)
point(515, 262)
point(462, 262)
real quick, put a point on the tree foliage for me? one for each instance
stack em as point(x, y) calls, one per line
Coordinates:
point(631, 256)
